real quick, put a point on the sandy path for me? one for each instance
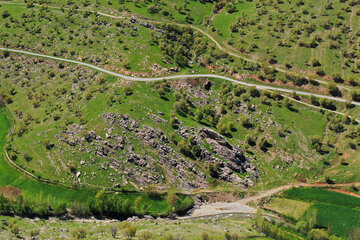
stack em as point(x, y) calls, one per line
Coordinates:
point(241, 207)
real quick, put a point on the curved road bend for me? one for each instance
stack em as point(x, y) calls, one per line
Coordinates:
point(130, 78)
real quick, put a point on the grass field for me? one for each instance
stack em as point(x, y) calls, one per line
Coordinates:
point(288, 207)
point(341, 220)
point(322, 195)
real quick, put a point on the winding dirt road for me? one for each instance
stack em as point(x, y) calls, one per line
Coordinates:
point(226, 48)
point(181, 76)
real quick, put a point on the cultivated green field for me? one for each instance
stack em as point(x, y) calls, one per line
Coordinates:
point(322, 195)
point(288, 207)
point(337, 212)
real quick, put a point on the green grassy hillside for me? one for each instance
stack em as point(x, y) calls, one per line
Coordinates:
point(32, 188)
point(67, 118)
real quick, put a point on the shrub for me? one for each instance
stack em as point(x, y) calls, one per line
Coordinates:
point(302, 226)
point(205, 236)
point(327, 103)
point(79, 233)
point(13, 156)
point(250, 140)
point(245, 122)
point(254, 92)
point(34, 233)
point(213, 170)
point(151, 191)
point(128, 91)
point(320, 72)
point(113, 230)
point(27, 157)
point(333, 89)
point(355, 95)
point(129, 232)
point(79, 209)
point(264, 144)
point(337, 78)
point(15, 229)
point(231, 236)
point(5, 14)
point(145, 235)
point(222, 128)
point(318, 234)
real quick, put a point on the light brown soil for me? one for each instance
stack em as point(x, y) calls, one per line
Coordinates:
point(10, 192)
point(223, 197)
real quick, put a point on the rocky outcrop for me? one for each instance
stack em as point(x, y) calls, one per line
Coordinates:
point(156, 159)
point(121, 120)
point(234, 158)
point(180, 171)
point(134, 20)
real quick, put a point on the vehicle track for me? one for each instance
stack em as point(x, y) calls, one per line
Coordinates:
point(228, 49)
point(181, 76)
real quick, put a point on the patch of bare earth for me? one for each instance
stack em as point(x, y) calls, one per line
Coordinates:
point(223, 197)
point(10, 192)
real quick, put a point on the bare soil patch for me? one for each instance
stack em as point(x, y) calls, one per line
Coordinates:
point(10, 192)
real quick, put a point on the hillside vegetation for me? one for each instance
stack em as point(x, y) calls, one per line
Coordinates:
point(81, 128)
point(318, 37)
point(140, 110)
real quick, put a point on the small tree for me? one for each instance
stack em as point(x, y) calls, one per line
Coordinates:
point(315, 63)
point(205, 236)
point(198, 115)
point(128, 91)
point(311, 218)
point(245, 122)
point(230, 8)
point(172, 199)
point(15, 230)
point(79, 233)
point(5, 14)
point(337, 78)
point(145, 235)
point(34, 233)
point(334, 90)
point(129, 231)
point(264, 143)
point(113, 231)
